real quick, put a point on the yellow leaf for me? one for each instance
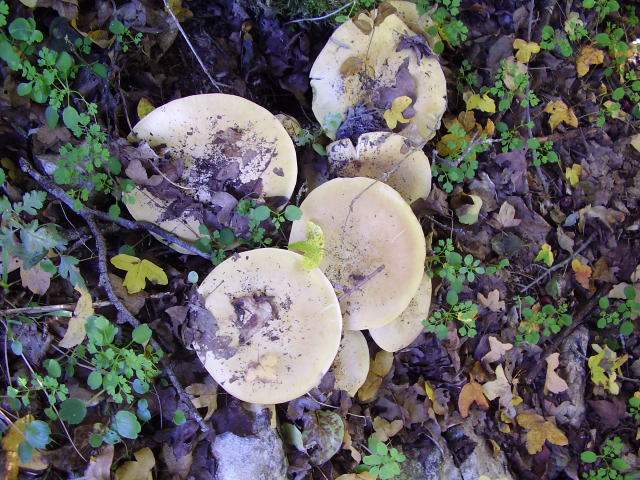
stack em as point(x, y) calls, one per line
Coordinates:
point(204, 396)
point(138, 272)
point(75, 330)
point(140, 469)
point(545, 255)
point(605, 366)
point(179, 11)
point(583, 272)
point(145, 107)
point(588, 56)
point(378, 369)
point(573, 173)
point(483, 103)
point(394, 115)
point(560, 112)
point(312, 248)
point(540, 430)
point(10, 443)
point(525, 49)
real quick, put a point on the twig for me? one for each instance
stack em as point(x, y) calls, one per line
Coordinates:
point(61, 195)
point(561, 264)
point(323, 17)
point(348, 290)
point(46, 309)
point(214, 83)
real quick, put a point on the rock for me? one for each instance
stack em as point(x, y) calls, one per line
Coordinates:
point(438, 464)
point(573, 352)
point(257, 457)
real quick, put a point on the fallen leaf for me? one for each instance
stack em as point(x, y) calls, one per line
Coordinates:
point(605, 367)
point(136, 171)
point(635, 276)
point(144, 108)
point(540, 430)
point(545, 255)
point(497, 349)
point(204, 396)
point(322, 435)
point(492, 300)
point(10, 445)
point(468, 212)
point(385, 429)
point(99, 467)
point(182, 13)
point(583, 272)
point(312, 248)
point(140, 469)
point(351, 66)
point(138, 272)
point(635, 141)
point(76, 329)
point(560, 112)
point(608, 216)
point(484, 103)
point(614, 110)
point(177, 468)
point(554, 383)
point(564, 240)
point(378, 369)
point(35, 279)
point(393, 116)
point(135, 302)
point(471, 393)
point(356, 476)
point(438, 407)
point(573, 173)
point(505, 217)
point(524, 49)
point(588, 56)
point(499, 388)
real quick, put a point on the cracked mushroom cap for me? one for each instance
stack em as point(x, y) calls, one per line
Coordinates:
point(356, 69)
point(217, 138)
point(276, 327)
point(351, 365)
point(374, 247)
point(384, 154)
point(405, 329)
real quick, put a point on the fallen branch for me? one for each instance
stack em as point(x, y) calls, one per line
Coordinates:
point(61, 195)
point(323, 17)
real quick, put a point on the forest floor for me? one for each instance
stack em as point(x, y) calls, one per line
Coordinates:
point(529, 365)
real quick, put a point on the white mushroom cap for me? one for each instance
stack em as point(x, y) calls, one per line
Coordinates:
point(405, 329)
point(374, 247)
point(277, 326)
point(212, 130)
point(335, 92)
point(408, 12)
point(385, 156)
point(351, 364)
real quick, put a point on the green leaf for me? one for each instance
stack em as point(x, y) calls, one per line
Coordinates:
point(71, 118)
point(94, 380)
point(179, 417)
point(618, 93)
point(588, 456)
point(117, 27)
point(64, 63)
point(260, 214)
point(3, 176)
point(626, 328)
point(126, 424)
point(37, 434)
point(620, 464)
point(9, 55)
point(292, 213)
point(73, 411)
point(312, 248)
point(192, 277)
point(53, 368)
point(51, 116)
point(141, 334)
point(100, 69)
point(68, 269)
point(21, 29)
point(24, 89)
point(114, 211)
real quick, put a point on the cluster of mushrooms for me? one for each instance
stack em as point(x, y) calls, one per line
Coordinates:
point(277, 327)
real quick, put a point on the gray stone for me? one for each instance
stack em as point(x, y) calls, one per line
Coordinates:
point(573, 369)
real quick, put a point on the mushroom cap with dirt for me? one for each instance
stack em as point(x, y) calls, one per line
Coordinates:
point(359, 73)
point(374, 247)
point(351, 364)
point(215, 142)
point(405, 329)
point(385, 156)
point(275, 327)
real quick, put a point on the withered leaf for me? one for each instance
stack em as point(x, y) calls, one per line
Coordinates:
point(363, 22)
point(471, 393)
point(554, 383)
point(384, 10)
point(351, 66)
point(540, 430)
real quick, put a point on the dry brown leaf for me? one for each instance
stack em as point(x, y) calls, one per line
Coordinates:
point(560, 112)
point(76, 329)
point(35, 279)
point(356, 476)
point(583, 272)
point(635, 141)
point(505, 217)
point(540, 430)
point(554, 383)
point(564, 240)
point(635, 276)
point(499, 388)
point(133, 301)
point(351, 66)
point(588, 56)
point(380, 366)
point(204, 396)
point(438, 407)
point(178, 468)
point(99, 467)
point(492, 301)
point(497, 349)
point(471, 393)
point(140, 469)
point(384, 429)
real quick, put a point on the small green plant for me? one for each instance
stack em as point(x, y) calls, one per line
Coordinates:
point(124, 36)
point(542, 153)
point(510, 83)
point(464, 312)
point(575, 28)
point(555, 40)
point(37, 435)
point(536, 321)
point(444, 13)
point(634, 407)
point(467, 77)
point(356, 6)
point(510, 139)
point(609, 464)
point(49, 385)
point(622, 315)
point(382, 462)
point(602, 7)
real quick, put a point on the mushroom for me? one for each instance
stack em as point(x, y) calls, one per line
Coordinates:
point(364, 67)
point(215, 144)
point(374, 247)
point(408, 12)
point(405, 329)
point(351, 364)
point(274, 328)
point(385, 156)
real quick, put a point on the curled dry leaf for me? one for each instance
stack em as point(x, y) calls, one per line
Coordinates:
point(560, 112)
point(540, 430)
point(385, 429)
point(471, 393)
point(554, 383)
point(35, 279)
point(205, 395)
point(492, 301)
point(497, 349)
point(140, 469)
point(380, 367)
point(76, 329)
point(505, 218)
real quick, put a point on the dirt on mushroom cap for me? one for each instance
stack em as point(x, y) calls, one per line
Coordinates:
point(275, 329)
point(374, 247)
